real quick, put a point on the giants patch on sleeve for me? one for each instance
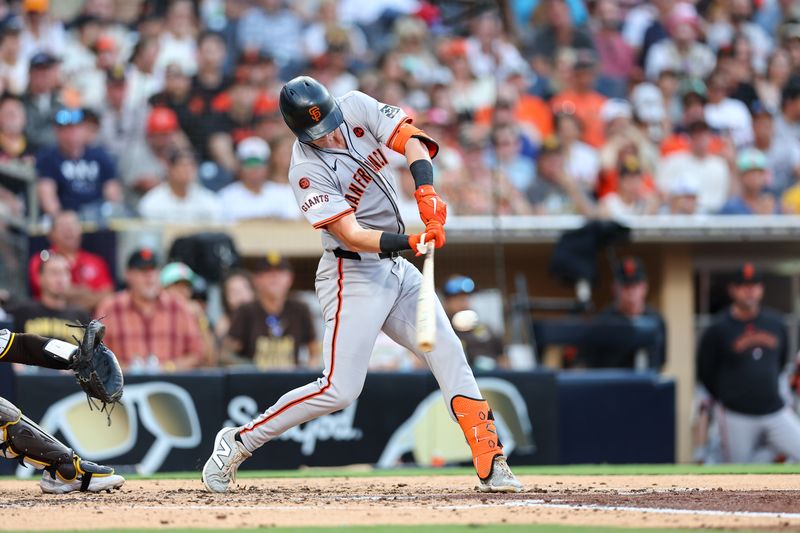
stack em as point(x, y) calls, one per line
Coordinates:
point(390, 110)
point(314, 200)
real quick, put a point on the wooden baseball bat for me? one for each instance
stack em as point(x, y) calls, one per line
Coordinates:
point(426, 305)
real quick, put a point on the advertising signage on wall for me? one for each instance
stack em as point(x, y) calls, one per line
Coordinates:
point(168, 422)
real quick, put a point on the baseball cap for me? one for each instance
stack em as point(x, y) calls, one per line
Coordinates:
point(747, 273)
point(629, 271)
point(682, 13)
point(115, 74)
point(176, 272)
point(162, 120)
point(585, 59)
point(758, 109)
point(791, 90)
point(69, 116)
point(143, 258)
point(180, 153)
point(751, 159)
point(255, 57)
point(105, 43)
point(697, 125)
point(648, 103)
point(83, 20)
point(550, 145)
point(790, 30)
point(615, 108)
point(692, 86)
point(43, 60)
point(271, 261)
point(683, 186)
point(253, 151)
point(12, 24)
point(177, 68)
point(630, 166)
point(36, 6)
point(458, 285)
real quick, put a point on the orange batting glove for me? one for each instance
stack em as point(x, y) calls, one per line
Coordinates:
point(433, 232)
point(431, 206)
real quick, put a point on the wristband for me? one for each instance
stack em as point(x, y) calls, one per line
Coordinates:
point(394, 242)
point(422, 170)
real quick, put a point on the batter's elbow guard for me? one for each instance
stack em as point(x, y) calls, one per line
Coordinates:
point(404, 132)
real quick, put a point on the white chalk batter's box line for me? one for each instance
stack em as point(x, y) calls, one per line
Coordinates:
point(537, 504)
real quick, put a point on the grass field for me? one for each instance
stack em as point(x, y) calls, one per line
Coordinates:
point(439, 529)
point(563, 470)
point(558, 499)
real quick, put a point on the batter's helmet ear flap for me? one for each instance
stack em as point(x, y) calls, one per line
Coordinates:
point(309, 109)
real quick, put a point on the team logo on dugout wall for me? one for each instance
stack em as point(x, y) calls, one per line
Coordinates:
point(165, 410)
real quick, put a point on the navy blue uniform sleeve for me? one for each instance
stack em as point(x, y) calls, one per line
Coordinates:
point(707, 360)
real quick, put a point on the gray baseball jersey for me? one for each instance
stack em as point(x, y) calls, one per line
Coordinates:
point(358, 297)
point(330, 183)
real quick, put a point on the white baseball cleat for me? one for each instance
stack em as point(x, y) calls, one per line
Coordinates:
point(501, 479)
point(90, 477)
point(220, 469)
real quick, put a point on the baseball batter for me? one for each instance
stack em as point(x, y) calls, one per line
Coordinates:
point(344, 187)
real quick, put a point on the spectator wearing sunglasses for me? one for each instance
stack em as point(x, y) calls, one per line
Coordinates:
point(73, 175)
point(484, 348)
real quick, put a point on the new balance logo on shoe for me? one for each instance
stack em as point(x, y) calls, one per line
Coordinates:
point(224, 450)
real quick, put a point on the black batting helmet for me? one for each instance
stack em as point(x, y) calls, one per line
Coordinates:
point(309, 109)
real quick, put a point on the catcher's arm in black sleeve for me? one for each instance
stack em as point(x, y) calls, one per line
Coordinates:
point(34, 350)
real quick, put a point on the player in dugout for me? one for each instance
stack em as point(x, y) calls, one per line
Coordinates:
point(23, 440)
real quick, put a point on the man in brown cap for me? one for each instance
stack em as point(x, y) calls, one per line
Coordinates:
point(275, 330)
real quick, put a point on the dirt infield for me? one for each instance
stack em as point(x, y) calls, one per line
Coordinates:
point(751, 501)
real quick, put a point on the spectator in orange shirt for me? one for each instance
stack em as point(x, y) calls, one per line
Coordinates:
point(91, 279)
point(531, 112)
point(581, 99)
point(694, 101)
point(148, 326)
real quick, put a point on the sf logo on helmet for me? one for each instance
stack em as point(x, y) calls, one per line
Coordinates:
point(315, 113)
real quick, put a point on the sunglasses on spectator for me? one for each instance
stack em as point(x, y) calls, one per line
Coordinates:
point(69, 117)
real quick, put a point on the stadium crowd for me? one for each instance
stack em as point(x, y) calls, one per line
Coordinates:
point(168, 109)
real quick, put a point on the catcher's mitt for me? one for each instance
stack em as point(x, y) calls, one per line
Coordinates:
point(96, 367)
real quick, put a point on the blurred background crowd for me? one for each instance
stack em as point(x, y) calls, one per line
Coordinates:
point(168, 109)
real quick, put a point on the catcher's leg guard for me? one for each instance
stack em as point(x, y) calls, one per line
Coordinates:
point(22, 439)
point(477, 423)
point(29, 444)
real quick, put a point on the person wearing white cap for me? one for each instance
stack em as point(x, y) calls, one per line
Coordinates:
point(648, 105)
point(682, 52)
point(682, 198)
point(253, 195)
point(707, 171)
